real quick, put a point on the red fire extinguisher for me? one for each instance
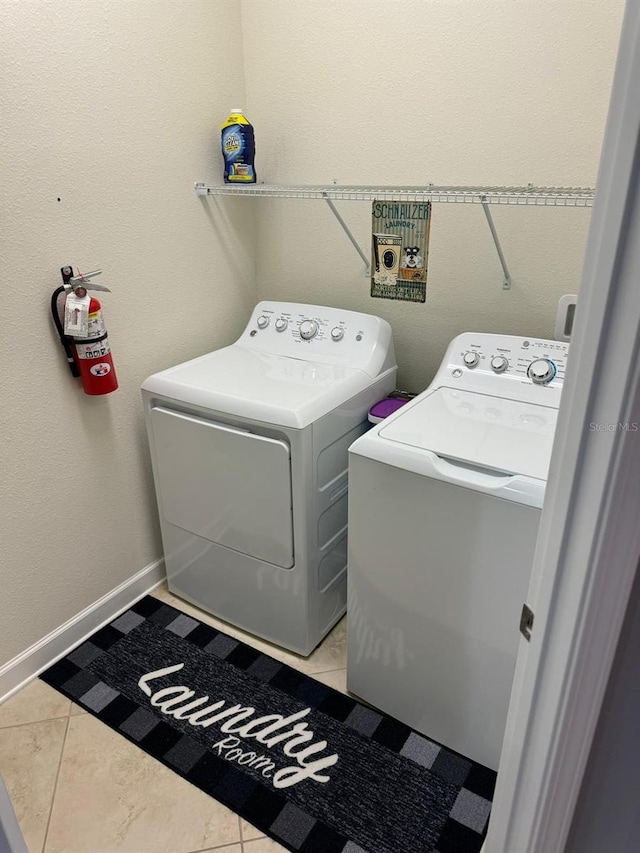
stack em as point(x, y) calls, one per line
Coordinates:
point(83, 335)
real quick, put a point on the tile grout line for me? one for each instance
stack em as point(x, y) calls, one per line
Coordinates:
point(217, 847)
point(241, 836)
point(55, 784)
point(35, 722)
point(324, 671)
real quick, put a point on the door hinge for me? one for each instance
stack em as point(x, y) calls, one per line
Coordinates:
point(526, 622)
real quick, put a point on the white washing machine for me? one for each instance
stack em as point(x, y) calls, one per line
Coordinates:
point(249, 452)
point(444, 505)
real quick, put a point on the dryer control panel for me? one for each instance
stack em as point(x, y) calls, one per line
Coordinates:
point(320, 334)
point(508, 366)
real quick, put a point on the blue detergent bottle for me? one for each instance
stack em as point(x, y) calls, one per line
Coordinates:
point(238, 149)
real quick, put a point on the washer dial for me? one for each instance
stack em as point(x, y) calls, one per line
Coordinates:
point(281, 324)
point(471, 359)
point(337, 333)
point(499, 363)
point(263, 322)
point(541, 371)
point(308, 329)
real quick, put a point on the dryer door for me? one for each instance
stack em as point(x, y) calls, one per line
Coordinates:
point(224, 484)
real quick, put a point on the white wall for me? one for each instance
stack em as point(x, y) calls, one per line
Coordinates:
point(113, 107)
point(418, 91)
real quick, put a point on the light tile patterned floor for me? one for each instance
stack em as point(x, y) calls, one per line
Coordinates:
point(78, 787)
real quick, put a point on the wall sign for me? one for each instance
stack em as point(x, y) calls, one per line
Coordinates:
point(400, 249)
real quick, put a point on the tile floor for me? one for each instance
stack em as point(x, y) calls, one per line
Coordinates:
point(78, 787)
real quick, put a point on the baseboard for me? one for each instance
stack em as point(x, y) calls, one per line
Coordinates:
point(25, 666)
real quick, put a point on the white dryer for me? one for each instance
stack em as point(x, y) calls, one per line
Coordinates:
point(444, 505)
point(249, 453)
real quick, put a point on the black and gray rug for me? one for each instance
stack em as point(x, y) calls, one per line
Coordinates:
point(312, 768)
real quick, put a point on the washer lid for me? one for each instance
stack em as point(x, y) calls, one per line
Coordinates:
point(479, 430)
point(269, 388)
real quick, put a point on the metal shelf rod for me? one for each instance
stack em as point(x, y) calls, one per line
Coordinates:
point(346, 230)
point(527, 195)
point(506, 285)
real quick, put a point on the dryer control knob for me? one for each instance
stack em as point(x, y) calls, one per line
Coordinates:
point(281, 324)
point(499, 363)
point(308, 329)
point(337, 333)
point(263, 322)
point(541, 371)
point(471, 359)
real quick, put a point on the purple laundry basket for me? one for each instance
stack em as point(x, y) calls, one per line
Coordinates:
point(384, 408)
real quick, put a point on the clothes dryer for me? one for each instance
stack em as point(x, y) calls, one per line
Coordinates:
point(444, 505)
point(249, 453)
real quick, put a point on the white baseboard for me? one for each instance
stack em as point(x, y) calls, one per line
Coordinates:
point(17, 672)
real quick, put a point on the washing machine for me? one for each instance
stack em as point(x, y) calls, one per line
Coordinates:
point(249, 453)
point(444, 505)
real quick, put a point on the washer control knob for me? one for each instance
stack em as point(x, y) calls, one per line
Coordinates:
point(499, 363)
point(541, 371)
point(471, 359)
point(337, 333)
point(308, 329)
point(281, 324)
point(263, 322)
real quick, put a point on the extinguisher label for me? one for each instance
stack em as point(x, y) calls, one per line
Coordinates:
point(77, 320)
point(93, 350)
point(100, 369)
point(96, 326)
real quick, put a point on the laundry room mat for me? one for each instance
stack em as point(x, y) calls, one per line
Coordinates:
point(308, 766)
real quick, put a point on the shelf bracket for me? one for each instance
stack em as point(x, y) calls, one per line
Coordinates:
point(346, 230)
point(506, 284)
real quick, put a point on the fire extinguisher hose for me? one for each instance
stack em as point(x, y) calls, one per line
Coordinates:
point(64, 339)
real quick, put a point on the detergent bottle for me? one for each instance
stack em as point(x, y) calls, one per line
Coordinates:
point(238, 149)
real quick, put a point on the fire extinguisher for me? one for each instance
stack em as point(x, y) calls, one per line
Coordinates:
point(83, 334)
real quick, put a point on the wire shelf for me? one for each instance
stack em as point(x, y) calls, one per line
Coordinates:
point(526, 195)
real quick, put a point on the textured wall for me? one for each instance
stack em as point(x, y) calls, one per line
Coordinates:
point(110, 112)
point(419, 91)
point(113, 107)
